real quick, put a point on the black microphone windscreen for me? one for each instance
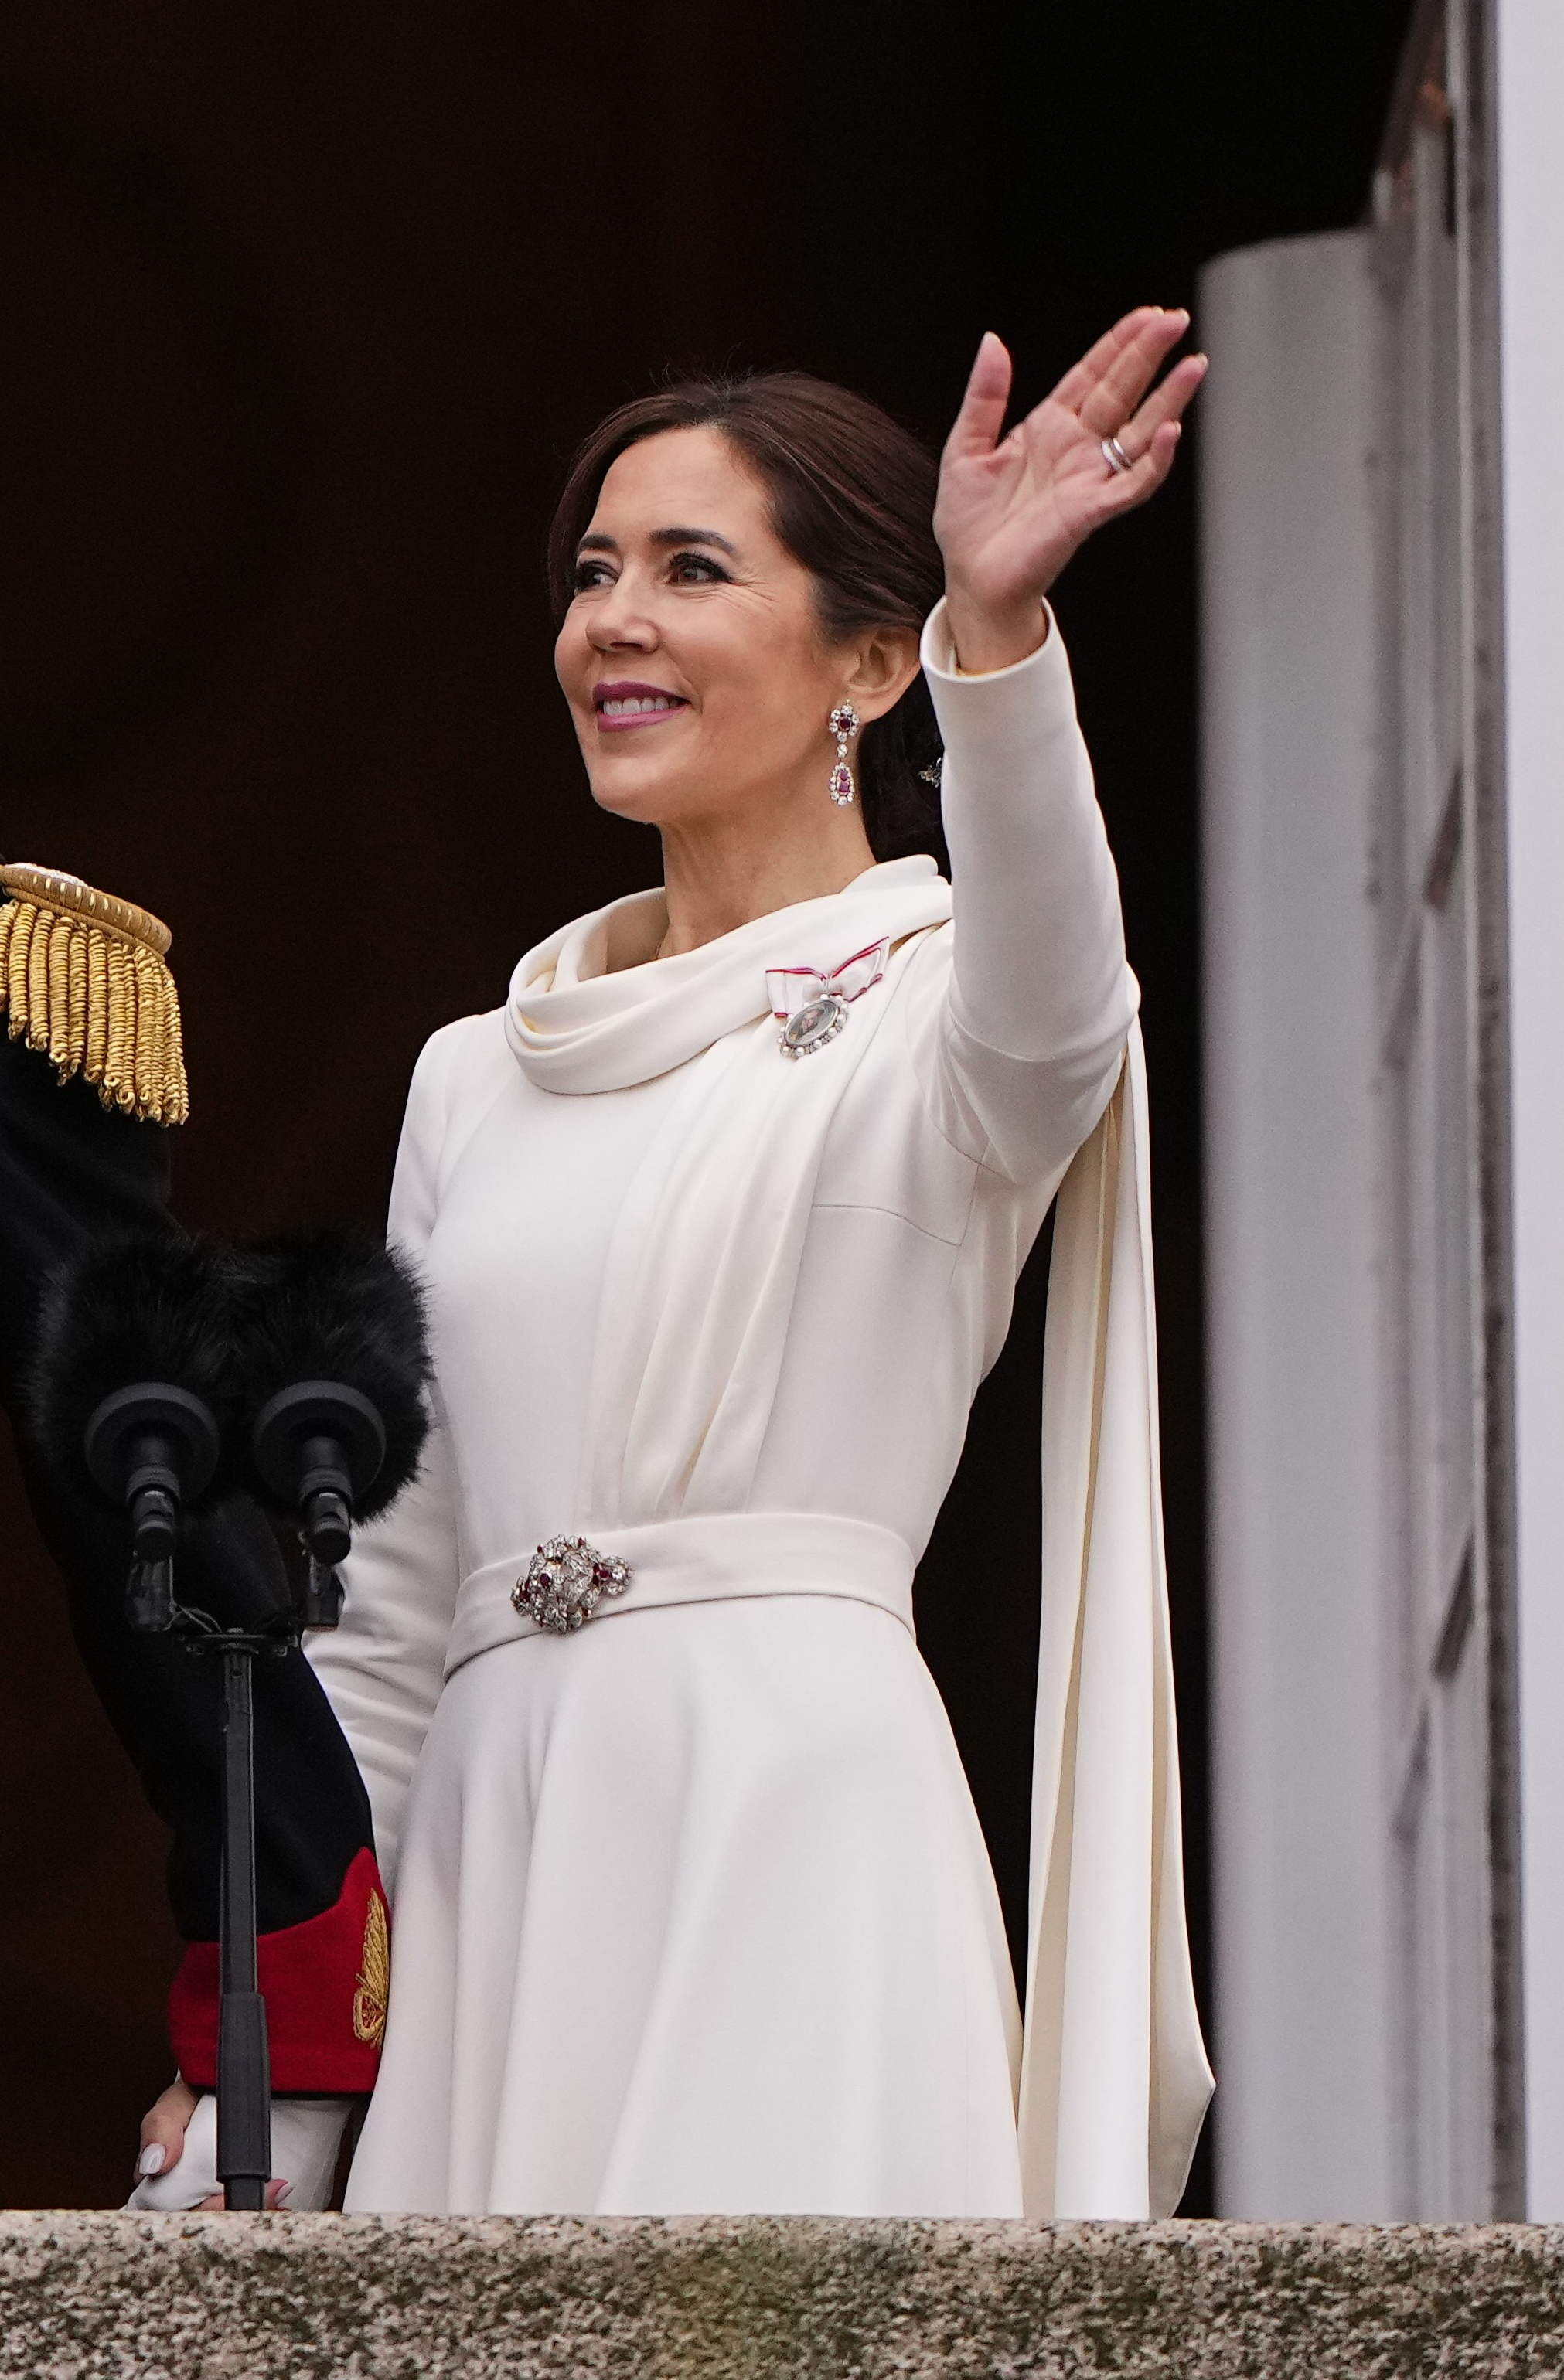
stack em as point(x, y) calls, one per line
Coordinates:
point(151, 1308)
point(336, 1305)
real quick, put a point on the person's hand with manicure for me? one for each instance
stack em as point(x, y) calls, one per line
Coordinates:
point(177, 2169)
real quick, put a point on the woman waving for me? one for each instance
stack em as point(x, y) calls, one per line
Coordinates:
point(721, 1215)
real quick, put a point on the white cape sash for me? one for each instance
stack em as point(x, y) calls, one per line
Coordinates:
point(1114, 2079)
point(700, 1286)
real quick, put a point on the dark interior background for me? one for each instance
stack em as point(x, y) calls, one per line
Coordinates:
point(304, 307)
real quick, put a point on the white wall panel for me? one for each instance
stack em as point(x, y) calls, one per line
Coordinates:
point(1289, 710)
point(1530, 201)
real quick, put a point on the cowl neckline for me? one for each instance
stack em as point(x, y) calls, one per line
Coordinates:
point(591, 1009)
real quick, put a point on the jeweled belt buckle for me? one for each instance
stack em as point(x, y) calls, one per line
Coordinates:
point(565, 1581)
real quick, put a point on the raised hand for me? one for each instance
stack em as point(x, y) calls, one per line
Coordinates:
point(1011, 510)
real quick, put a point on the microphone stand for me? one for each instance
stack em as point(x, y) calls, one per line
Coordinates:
point(244, 2060)
point(317, 1446)
point(151, 1446)
point(244, 2056)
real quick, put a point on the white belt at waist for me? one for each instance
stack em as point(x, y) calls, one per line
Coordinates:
point(705, 1559)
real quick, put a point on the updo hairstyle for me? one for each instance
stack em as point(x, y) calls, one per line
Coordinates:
point(852, 498)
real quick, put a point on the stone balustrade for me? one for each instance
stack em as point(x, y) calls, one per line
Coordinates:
point(322, 2297)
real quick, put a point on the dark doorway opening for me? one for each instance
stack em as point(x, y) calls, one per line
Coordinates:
point(305, 310)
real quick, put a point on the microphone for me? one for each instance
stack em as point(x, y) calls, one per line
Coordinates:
point(129, 1391)
point(330, 1357)
point(166, 1368)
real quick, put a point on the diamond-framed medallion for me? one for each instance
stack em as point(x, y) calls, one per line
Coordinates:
point(811, 1027)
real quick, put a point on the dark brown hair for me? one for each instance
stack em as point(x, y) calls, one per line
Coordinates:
point(852, 498)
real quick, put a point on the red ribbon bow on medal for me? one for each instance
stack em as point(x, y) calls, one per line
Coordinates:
point(810, 1003)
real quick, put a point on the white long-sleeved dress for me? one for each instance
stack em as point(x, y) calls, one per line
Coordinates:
point(690, 1908)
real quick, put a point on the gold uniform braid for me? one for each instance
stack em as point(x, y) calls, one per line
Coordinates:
point(85, 979)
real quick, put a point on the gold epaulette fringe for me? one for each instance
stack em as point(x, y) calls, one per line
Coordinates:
point(85, 979)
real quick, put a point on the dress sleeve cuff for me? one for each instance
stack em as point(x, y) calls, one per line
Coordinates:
point(325, 1982)
point(938, 653)
point(997, 709)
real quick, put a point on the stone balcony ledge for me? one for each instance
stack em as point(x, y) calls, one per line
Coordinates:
point(323, 2297)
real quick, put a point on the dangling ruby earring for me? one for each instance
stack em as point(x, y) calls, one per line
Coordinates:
point(844, 725)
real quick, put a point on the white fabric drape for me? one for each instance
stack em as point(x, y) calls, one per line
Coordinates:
point(1114, 2075)
point(726, 1311)
point(700, 1283)
point(704, 1261)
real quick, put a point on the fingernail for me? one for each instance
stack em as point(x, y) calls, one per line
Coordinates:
point(151, 2160)
point(285, 2195)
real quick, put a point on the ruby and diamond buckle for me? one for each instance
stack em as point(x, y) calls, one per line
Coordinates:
point(565, 1581)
